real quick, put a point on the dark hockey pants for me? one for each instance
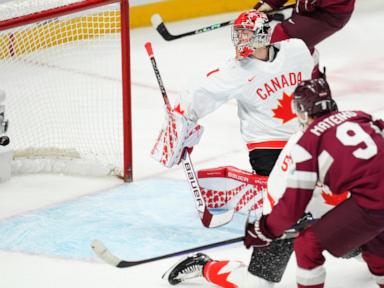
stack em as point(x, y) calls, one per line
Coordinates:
point(341, 230)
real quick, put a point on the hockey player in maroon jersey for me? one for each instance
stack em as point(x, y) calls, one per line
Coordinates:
point(345, 151)
point(312, 20)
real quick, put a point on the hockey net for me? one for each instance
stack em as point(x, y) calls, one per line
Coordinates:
point(64, 65)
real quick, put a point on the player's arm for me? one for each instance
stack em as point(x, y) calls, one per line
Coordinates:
point(301, 7)
point(210, 91)
point(291, 207)
point(269, 5)
point(180, 130)
point(377, 123)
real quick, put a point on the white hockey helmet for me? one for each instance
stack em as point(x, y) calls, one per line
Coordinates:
point(250, 30)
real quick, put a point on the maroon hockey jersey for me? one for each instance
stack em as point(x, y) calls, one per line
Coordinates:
point(333, 6)
point(343, 150)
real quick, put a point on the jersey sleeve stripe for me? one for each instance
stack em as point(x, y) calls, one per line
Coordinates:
point(302, 180)
point(311, 277)
point(325, 162)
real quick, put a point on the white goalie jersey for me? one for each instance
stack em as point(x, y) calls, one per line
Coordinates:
point(263, 91)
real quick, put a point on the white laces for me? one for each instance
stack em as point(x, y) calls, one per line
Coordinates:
point(190, 272)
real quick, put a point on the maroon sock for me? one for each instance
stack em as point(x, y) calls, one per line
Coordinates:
point(311, 286)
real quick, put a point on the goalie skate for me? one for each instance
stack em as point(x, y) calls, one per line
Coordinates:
point(187, 268)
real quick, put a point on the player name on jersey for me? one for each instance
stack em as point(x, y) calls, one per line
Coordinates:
point(331, 121)
point(277, 83)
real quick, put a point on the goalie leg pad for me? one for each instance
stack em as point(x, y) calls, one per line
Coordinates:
point(270, 262)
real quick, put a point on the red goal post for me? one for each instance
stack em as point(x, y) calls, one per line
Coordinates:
point(65, 68)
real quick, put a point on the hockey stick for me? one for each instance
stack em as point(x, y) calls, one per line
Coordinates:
point(104, 254)
point(107, 256)
point(159, 25)
point(208, 219)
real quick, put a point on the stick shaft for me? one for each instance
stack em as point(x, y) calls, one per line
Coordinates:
point(103, 252)
point(164, 32)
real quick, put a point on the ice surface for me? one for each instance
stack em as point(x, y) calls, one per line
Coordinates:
point(355, 65)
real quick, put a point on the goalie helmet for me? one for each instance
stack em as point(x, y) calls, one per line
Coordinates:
point(250, 31)
point(313, 98)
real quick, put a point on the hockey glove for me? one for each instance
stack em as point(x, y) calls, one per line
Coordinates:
point(256, 234)
point(305, 6)
point(178, 133)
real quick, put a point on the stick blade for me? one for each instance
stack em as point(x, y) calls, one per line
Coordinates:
point(210, 220)
point(158, 24)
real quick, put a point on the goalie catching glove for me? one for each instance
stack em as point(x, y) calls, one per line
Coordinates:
point(177, 134)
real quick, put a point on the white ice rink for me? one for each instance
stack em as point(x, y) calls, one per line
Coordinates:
point(354, 59)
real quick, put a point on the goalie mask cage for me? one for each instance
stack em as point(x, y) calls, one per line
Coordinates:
point(65, 68)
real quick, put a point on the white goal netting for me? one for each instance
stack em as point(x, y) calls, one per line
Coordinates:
point(63, 83)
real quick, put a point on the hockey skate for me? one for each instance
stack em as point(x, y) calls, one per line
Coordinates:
point(187, 268)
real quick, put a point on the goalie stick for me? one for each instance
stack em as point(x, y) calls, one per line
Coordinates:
point(159, 25)
point(104, 254)
point(208, 219)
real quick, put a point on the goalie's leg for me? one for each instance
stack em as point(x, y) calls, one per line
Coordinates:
point(227, 274)
point(266, 268)
point(270, 262)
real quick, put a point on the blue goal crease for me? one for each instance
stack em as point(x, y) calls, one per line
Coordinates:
point(138, 220)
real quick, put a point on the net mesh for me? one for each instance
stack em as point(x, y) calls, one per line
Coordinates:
point(18, 8)
point(62, 78)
